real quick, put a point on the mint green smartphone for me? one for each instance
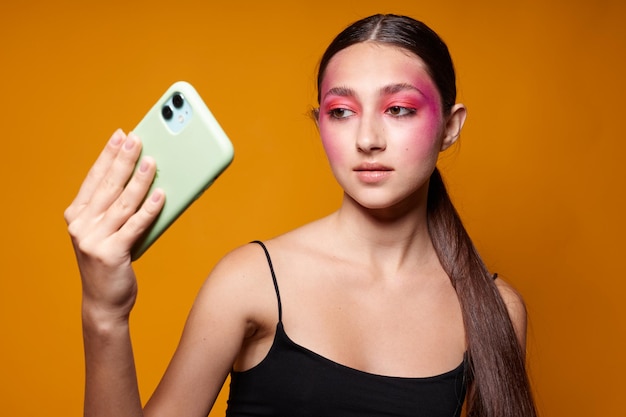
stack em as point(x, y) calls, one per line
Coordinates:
point(190, 149)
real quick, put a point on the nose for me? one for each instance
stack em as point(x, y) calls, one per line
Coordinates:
point(370, 135)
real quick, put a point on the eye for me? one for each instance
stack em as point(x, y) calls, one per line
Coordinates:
point(340, 113)
point(399, 111)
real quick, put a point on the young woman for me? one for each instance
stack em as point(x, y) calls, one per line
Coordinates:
point(381, 308)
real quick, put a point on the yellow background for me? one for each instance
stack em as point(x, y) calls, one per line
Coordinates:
point(539, 177)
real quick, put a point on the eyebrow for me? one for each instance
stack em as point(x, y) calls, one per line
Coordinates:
point(396, 88)
point(386, 90)
point(340, 91)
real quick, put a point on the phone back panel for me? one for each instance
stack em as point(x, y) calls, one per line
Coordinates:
point(187, 161)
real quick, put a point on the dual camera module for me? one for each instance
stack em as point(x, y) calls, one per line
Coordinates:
point(177, 102)
point(176, 112)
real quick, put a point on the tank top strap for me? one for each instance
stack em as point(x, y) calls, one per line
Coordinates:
point(269, 262)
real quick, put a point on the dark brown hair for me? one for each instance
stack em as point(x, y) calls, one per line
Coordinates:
point(498, 384)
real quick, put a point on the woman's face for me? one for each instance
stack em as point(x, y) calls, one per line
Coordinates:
point(381, 124)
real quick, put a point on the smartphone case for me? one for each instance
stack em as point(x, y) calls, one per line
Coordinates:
point(187, 162)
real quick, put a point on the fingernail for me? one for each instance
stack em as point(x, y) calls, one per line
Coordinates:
point(117, 138)
point(130, 142)
point(143, 167)
point(156, 195)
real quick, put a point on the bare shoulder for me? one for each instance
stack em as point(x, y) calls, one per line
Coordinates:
point(247, 268)
point(512, 298)
point(241, 270)
point(516, 308)
point(235, 303)
point(239, 289)
point(244, 261)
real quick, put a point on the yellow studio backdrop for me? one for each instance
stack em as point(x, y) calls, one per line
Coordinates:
point(539, 176)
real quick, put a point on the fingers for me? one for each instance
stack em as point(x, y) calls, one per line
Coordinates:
point(113, 175)
point(95, 174)
point(104, 218)
point(130, 199)
point(143, 218)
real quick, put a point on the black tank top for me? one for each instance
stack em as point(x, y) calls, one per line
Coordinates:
point(292, 381)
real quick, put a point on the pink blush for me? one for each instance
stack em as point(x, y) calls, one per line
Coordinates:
point(333, 152)
point(429, 107)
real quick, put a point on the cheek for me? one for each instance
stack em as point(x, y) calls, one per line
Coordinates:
point(432, 118)
point(424, 137)
point(419, 151)
point(330, 142)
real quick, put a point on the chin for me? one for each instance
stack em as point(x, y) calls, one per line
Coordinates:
point(385, 205)
point(390, 205)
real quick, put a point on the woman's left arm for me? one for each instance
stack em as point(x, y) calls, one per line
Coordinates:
point(516, 308)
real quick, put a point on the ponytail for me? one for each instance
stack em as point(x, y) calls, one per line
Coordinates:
point(497, 379)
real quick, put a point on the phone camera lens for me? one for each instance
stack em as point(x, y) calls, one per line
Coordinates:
point(167, 112)
point(177, 100)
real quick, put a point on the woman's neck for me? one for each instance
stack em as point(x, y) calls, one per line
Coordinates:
point(391, 238)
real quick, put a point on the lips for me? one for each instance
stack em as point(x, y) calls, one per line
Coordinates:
point(372, 166)
point(372, 172)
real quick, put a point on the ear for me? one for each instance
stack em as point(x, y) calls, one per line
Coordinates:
point(453, 127)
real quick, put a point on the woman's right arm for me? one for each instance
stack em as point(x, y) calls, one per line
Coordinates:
point(104, 220)
point(107, 216)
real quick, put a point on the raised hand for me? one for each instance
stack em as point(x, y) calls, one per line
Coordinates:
point(107, 216)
